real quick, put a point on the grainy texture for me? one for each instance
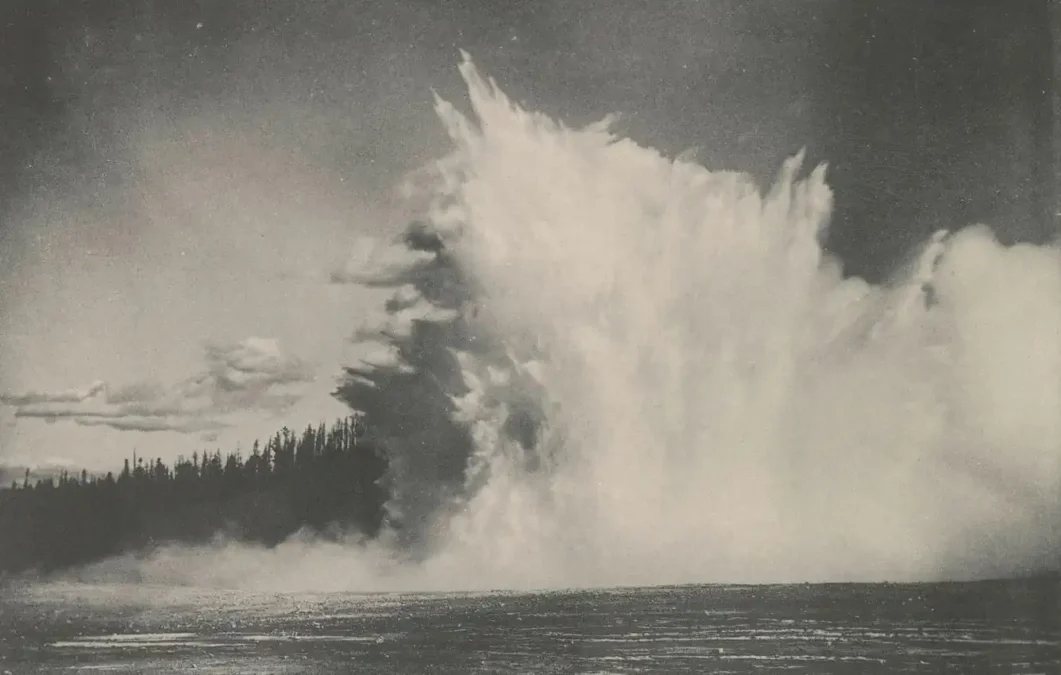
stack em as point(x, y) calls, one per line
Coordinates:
point(993, 627)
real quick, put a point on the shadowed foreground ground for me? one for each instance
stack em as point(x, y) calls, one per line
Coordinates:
point(995, 627)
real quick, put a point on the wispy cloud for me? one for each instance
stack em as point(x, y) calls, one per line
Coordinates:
point(376, 262)
point(405, 307)
point(134, 423)
point(252, 375)
point(68, 396)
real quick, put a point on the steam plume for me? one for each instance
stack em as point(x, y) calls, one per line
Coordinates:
point(638, 371)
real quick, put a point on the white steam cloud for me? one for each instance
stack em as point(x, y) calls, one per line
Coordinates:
point(715, 402)
point(728, 407)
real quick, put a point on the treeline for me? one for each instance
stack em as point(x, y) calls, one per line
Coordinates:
point(325, 479)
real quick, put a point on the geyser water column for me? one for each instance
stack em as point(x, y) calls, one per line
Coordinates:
point(715, 401)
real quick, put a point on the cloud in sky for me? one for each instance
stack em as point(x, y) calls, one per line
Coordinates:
point(389, 264)
point(69, 396)
point(378, 262)
point(251, 375)
point(405, 308)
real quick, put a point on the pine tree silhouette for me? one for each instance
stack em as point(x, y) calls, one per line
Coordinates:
point(326, 481)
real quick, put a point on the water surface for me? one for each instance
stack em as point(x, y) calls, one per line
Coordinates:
point(994, 627)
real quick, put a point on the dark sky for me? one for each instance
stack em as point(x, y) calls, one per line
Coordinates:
point(937, 114)
point(931, 114)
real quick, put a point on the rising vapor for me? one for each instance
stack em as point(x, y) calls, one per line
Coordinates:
point(653, 373)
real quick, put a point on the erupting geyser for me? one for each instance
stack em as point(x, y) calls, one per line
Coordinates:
point(713, 400)
point(666, 379)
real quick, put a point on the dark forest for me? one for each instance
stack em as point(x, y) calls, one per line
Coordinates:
point(325, 480)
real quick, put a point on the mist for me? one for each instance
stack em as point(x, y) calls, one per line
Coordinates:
point(663, 378)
